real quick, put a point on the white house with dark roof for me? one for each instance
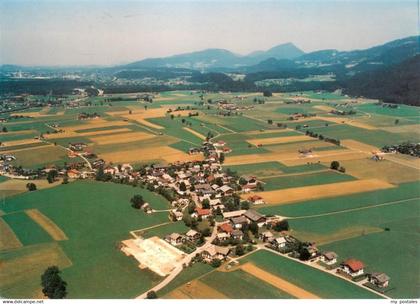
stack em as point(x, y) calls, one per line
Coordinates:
point(329, 258)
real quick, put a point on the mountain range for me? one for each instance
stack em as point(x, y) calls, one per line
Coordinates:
point(218, 58)
point(285, 56)
point(388, 72)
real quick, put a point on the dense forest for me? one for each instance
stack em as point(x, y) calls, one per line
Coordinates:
point(395, 84)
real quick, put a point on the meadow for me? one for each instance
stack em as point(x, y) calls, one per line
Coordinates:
point(95, 217)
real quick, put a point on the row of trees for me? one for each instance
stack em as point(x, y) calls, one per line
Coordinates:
point(322, 137)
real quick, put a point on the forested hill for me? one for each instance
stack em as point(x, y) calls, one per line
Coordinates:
point(398, 83)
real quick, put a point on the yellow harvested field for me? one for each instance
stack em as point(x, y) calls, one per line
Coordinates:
point(8, 239)
point(386, 170)
point(415, 128)
point(348, 121)
point(19, 142)
point(293, 195)
point(293, 158)
point(15, 186)
point(141, 115)
point(72, 131)
point(405, 160)
point(47, 224)
point(358, 146)
point(278, 282)
point(120, 138)
point(325, 157)
point(31, 264)
point(278, 140)
point(165, 153)
point(324, 108)
point(195, 133)
point(104, 132)
point(195, 290)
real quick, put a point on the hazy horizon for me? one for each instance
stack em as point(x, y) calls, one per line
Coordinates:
point(77, 33)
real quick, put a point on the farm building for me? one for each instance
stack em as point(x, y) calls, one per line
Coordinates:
point(255, 217)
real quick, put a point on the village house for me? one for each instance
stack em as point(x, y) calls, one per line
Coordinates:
point(73, 173)
point(77, 146)
point(200, 212)
point(266, 236)
point(216, 203)
point(215, 252)
point(174, 239)
point(177, 215)
point(204, 189)
point(226, 228)
point(352, 267)
point(256, 200)
point(237, 234)
point(222, 236)
point(313, 251)
point(279, 242)
point(239, 222)
point(226, 190)
point(329, 258)
point(255, 217)
point(193, 235)
point(379, 279)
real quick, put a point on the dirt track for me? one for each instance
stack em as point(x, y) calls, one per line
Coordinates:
point(278, 282)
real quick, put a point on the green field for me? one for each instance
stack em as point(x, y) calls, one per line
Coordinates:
point(378, 138)
point(302, 180)
point(403, 111)
point(27, 231)
point(246, 286)
point(95, 217)
point(308, 278)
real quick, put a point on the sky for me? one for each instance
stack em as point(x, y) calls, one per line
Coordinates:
point(100, 32)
